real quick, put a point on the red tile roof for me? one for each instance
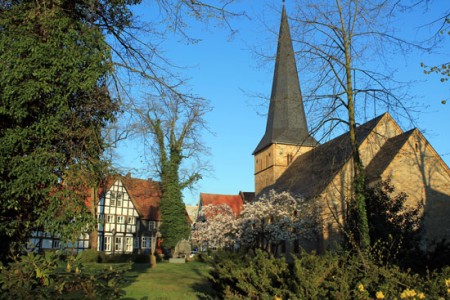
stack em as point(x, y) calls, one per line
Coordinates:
point(233, 201)
point(145, 195)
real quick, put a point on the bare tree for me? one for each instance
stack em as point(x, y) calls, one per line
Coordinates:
point(345, 43)
point(168, 118)
point(138, 56)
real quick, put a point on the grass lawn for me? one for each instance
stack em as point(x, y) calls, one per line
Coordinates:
point(168, 281)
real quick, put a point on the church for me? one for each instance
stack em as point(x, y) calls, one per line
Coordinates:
point(288, 158)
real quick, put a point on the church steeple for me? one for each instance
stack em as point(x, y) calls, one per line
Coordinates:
point(286, 135)
point(286, 122)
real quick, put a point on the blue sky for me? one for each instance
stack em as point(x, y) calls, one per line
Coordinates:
point(228, 72)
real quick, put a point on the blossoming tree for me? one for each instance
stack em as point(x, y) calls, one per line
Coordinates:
point(216, 227)
point(266, 223)
point(275, 219)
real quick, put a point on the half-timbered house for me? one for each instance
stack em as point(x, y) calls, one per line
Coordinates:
point(128, 219)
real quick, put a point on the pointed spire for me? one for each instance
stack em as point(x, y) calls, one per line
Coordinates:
point(286, 122)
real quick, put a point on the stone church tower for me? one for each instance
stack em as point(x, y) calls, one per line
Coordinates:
point(286, 135)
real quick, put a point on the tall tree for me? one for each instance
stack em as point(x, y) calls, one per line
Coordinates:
point(345, 40)
point(171, 127)
point(62, 80)
point(54, 105)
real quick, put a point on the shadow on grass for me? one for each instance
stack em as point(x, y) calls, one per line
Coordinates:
point(131, 276)
point(204, 290)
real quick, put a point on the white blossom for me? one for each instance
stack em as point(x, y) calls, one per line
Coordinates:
point(268, 221)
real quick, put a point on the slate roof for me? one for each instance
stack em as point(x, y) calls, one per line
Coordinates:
point(286, 122)
point(312, 171)
point(233, 201)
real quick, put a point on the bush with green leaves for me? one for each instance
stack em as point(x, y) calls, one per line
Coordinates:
point(332, 275)
point(35, 276)
point(239, 276)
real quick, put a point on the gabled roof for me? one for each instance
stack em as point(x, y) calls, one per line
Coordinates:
point(192, 211)
point(233, 201)
point(286, 122)
point(386, 154)
point(145, 195)
point(312, 171)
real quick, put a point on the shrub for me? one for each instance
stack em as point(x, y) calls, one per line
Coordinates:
point(114, 258)
point(333, 275)
point(89, 256)
point(35, 276)
point(240, 276)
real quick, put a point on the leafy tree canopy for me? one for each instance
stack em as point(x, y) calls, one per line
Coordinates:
point(54, 102)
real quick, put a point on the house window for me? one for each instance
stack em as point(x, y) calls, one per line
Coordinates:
point(110, 219)
point(107, 243)
point(112, 198)
point(131, 220)
point(116, 198)
point(118, 243)
point(129, 244)
point(151, 225)
point(120, 219)
point(119, 199)
point(55, 244)
point(146, 242)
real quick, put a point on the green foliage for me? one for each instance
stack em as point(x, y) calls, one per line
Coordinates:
point(43, 277)
point(175, 224)
point(239, 276)
point(356, 223)
point(333, 275)
point(89, 256)
point(54, 104)
point(390, 221)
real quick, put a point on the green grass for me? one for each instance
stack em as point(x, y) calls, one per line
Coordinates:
point(168, 281)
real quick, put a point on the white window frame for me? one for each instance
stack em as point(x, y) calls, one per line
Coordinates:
point(129, 244)
point(131, 220)
point(119, 199)
point(108, 243)
point(151, 225)
point(118, 243)
point(146, 242)
point(112, 198)
point(110, 219)
point(120, 219)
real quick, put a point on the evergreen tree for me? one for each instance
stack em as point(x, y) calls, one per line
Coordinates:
point(391, 221)
point(54, 103)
